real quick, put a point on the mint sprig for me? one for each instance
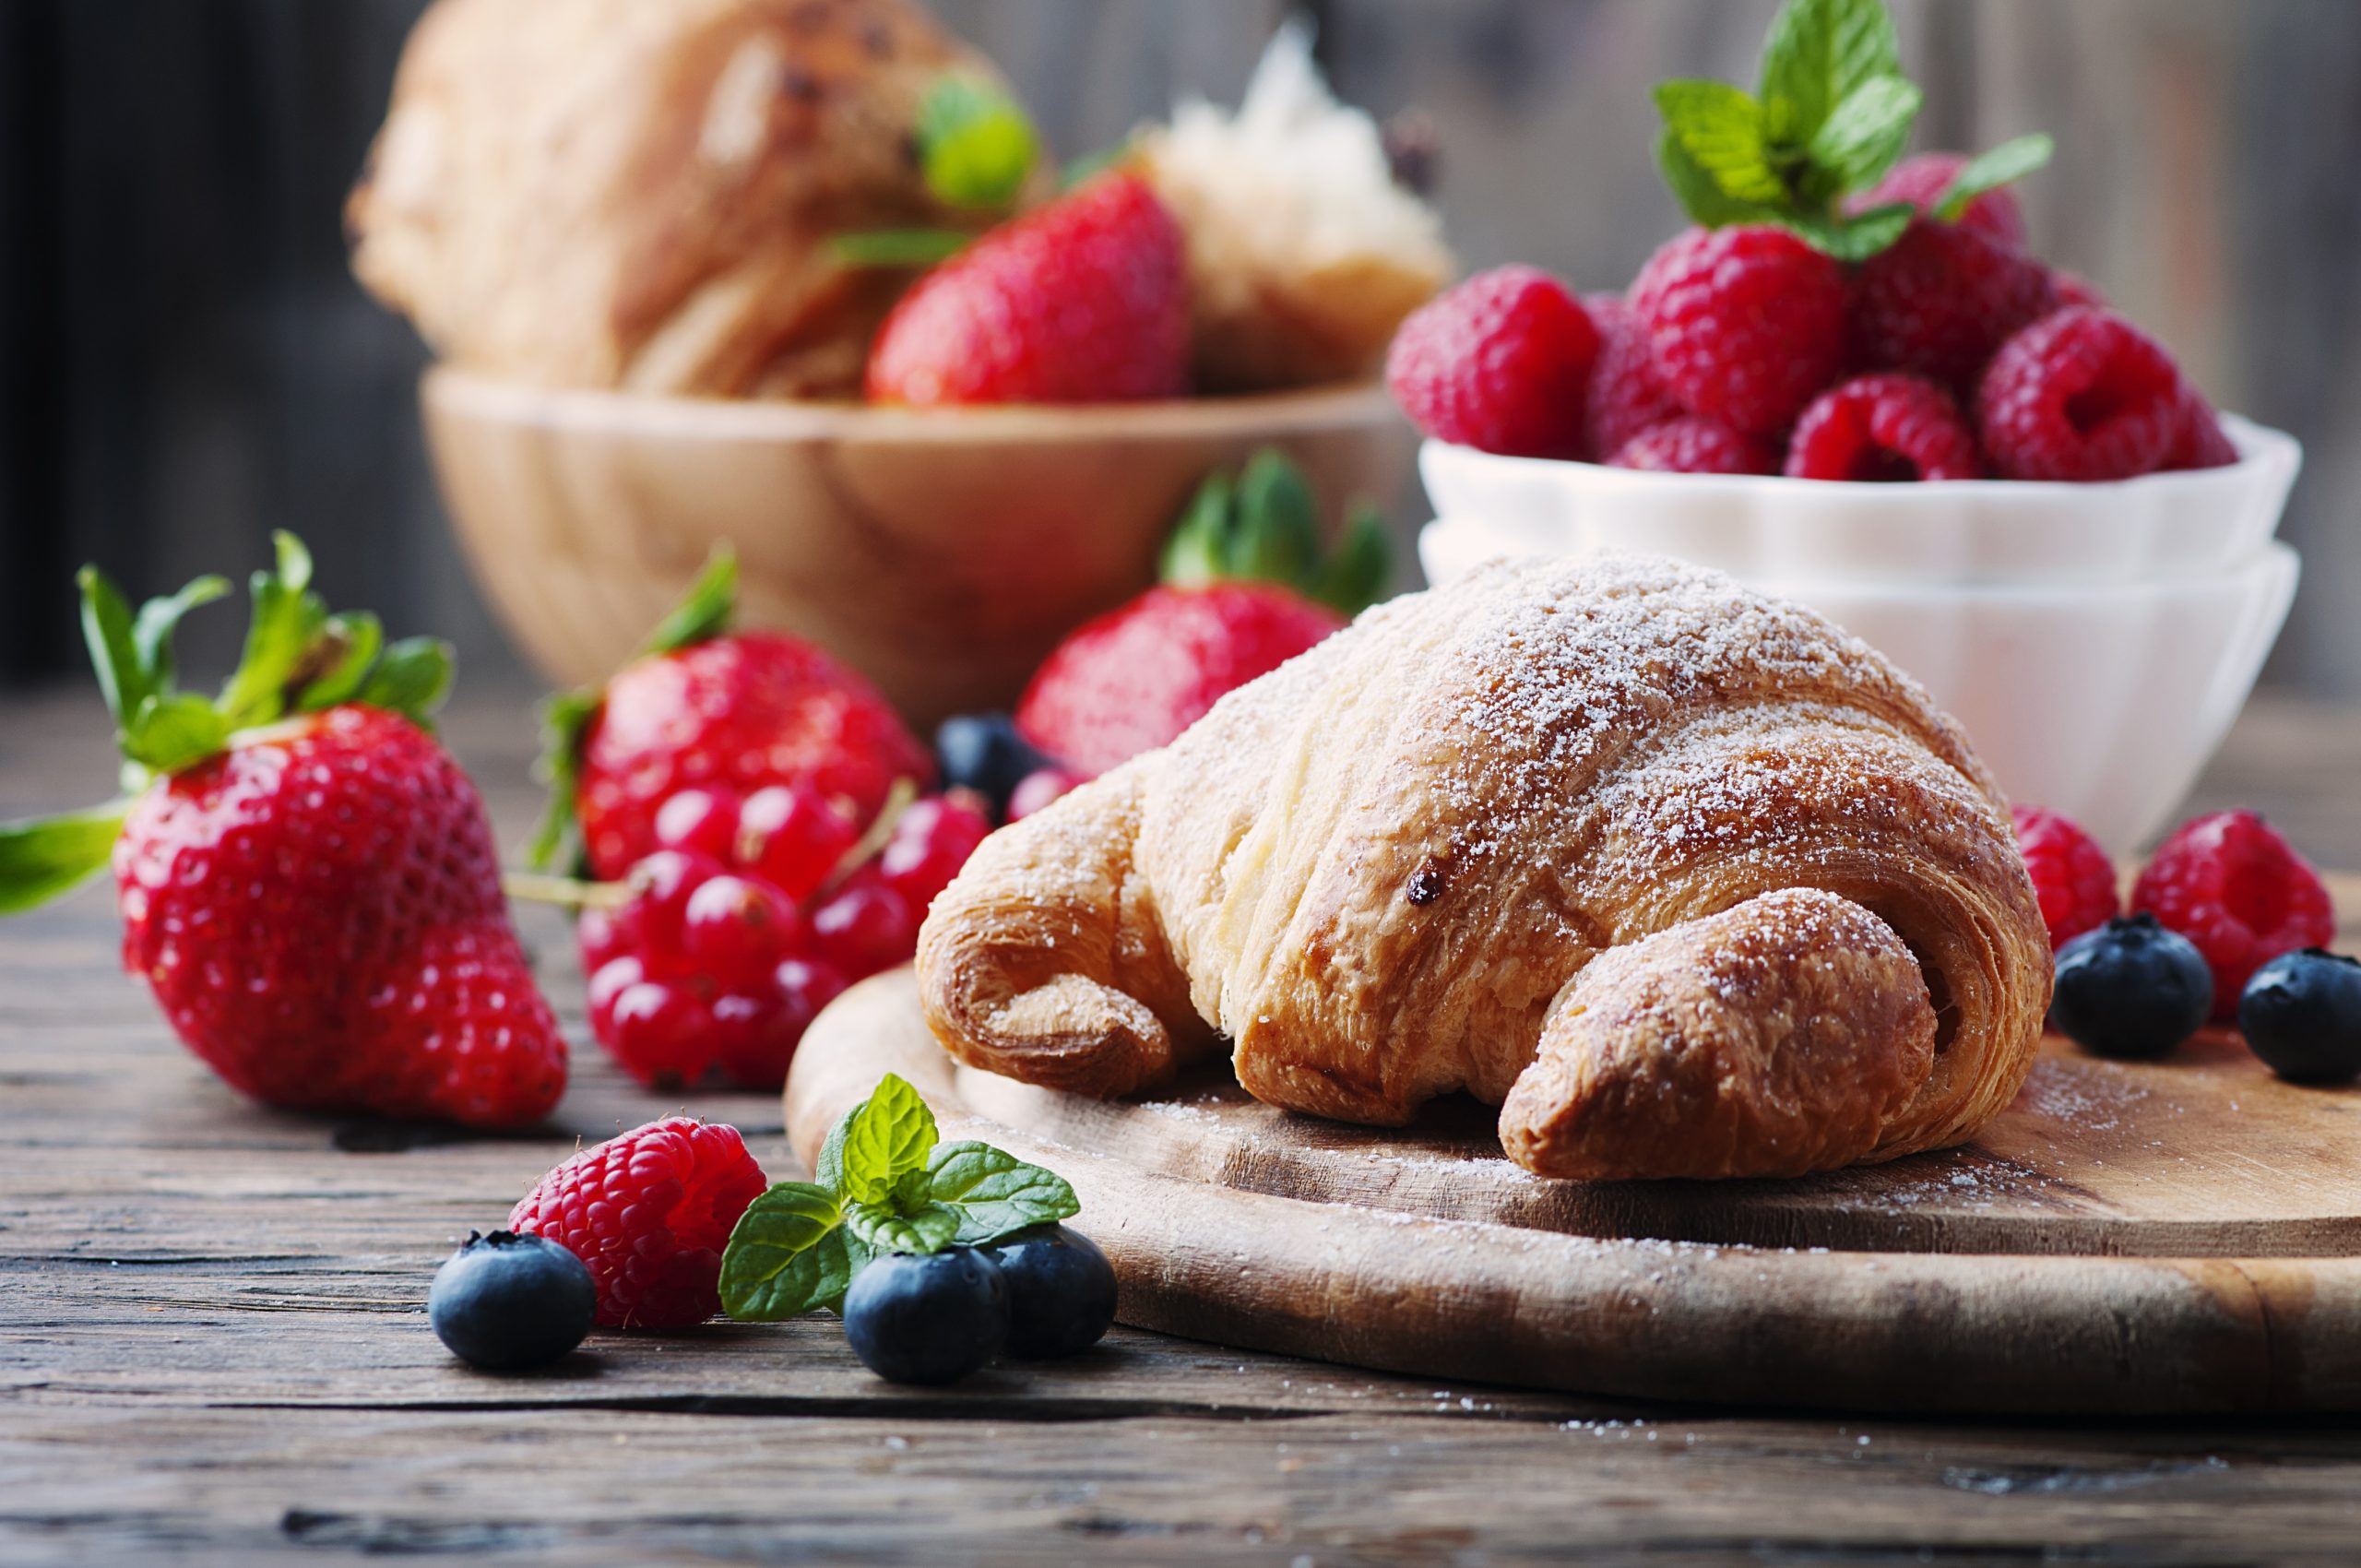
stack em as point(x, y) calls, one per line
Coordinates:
point(885, 1183)
point(1830, 115)
point(1262, 524)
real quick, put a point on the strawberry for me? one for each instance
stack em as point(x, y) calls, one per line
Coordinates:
point(1247, 589)
point(1083, 301)
point(307, 881)
point(710, 708)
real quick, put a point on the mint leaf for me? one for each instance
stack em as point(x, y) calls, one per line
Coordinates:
point(787, 1254)
point(1721, 129)
point(1863, 136)
point(169, 733)
point(899, 247)
point(886, 1137)
point(39, 860)
point(413, 678)
point(976, 147)
point(1705, 202)
point(2010, 162)
point(704, 613)
point(1852, 239)
point(994, 1192)
point(1278, 536)
point(1816, 55)
point(884, 1228)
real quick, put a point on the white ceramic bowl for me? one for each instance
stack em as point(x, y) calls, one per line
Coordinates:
point(2101, 700)
point(1981, 531)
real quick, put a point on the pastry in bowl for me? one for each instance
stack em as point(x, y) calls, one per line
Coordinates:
point(601, 194)
point(1687, 880)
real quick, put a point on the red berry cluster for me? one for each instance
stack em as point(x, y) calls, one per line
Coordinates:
point(1953, 354)
point(751, 917)
point(2228, 881)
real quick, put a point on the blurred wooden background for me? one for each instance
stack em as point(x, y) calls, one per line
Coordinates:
point(184, 363)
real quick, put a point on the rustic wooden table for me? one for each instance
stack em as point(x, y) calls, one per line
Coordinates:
point(213, 1346)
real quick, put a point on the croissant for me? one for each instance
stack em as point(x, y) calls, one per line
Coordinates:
point(1685, 879)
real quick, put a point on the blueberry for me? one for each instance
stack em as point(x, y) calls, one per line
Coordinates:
point(2301, 1014)
point(931, 1319)
point(983, 751)
point(1060, 1292)
point(2131, 989)
point(506, 1302)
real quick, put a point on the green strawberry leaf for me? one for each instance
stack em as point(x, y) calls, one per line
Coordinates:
point(1198, 551)
point(41, 860)
point(170, 732)
point(992, 1193)
point(286, 617)
point(1705, 202)
point(2010, 162)
point(886, 1136)
point(345, 654)
point(1278, 536)
point(1355, 574)
point(705, 612)
point(1863, 135)
point(159, 619)
point(1721, 129)
point(1816, 55)
point(787, 1254)
point(898, 247)
point(413, 678)
point(565, 720)
point(115, 651)
point(884, 1228)
point(976, 147)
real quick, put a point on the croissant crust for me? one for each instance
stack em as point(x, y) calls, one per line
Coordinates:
point(1690, 881)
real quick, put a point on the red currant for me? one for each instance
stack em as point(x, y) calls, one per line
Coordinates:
point(931, 843)
point(793, 836)
point(807, 985)
point(704, 821)
point(602, 938)
point(734, 927)
point(662, 1035)
point(864, 928)
point(1038, 790)
point(754, 1036)
point(660, 885)
point(608, 981)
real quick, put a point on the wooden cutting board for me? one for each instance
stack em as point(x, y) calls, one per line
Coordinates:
point(2183, 1236)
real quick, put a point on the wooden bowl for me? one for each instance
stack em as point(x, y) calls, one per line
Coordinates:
point(942, 554)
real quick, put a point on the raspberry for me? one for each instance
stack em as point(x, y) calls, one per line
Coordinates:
point(1628, 395)
point(2233, 888)
point(2082, 394)
point(1940, 299)
point(1921, 181)
point(1499, 364)
point(1883, 429)
point(1747, 323)
point(2071, 876)
point(1693, 446)
point(649, 1212)
point(2201, 442)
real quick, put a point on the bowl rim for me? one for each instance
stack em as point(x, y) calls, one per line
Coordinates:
point(1350, 405)
point(2261, 448)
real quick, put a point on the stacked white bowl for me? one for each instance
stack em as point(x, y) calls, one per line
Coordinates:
point(2096, 640)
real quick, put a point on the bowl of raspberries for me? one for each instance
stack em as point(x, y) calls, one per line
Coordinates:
point(1853, 381)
